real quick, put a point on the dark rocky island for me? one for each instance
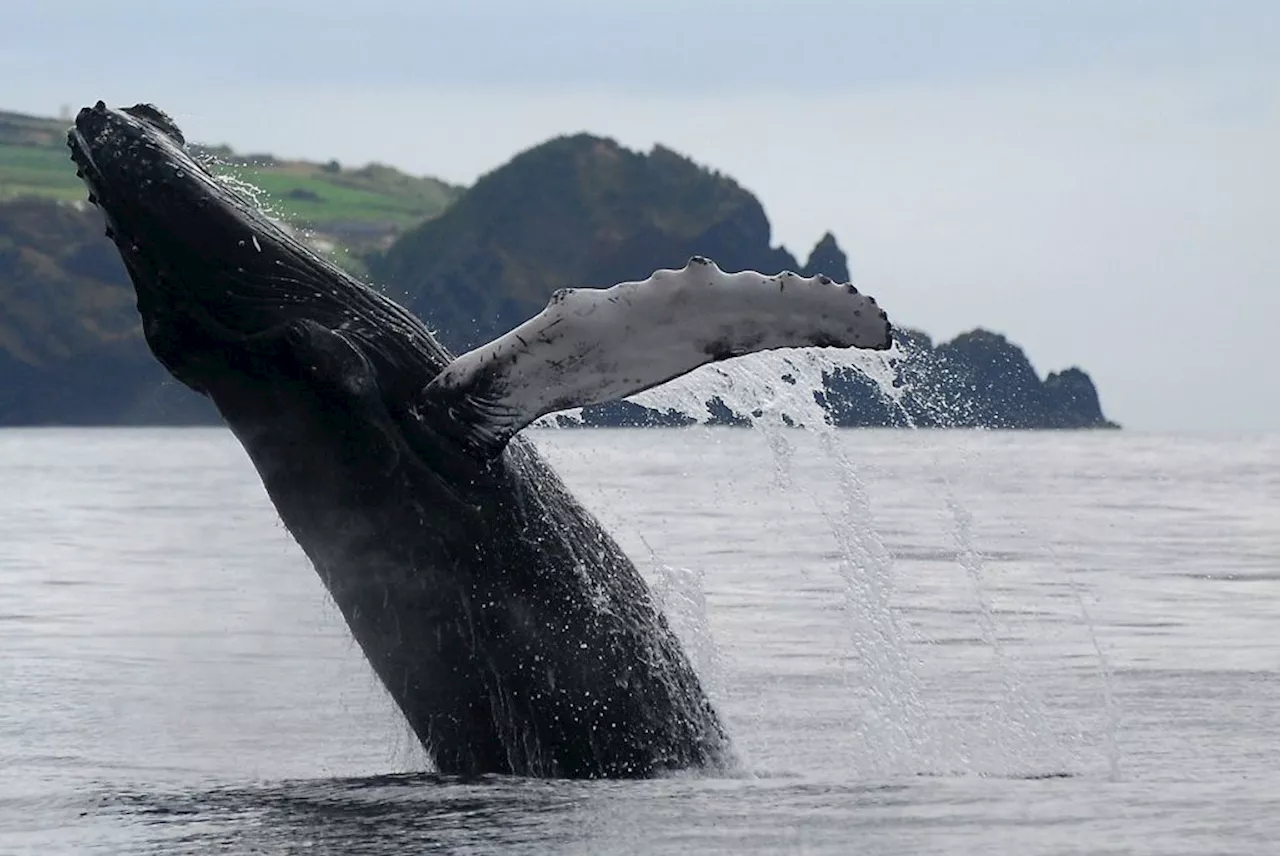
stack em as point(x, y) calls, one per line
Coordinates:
point(577, 210)
point(978, 380)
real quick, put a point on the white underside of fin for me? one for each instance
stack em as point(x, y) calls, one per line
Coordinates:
point(595, 345)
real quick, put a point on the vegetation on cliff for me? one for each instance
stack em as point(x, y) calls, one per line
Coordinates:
point(358, 210)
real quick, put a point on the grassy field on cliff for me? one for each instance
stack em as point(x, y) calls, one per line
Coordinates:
point(360, 207)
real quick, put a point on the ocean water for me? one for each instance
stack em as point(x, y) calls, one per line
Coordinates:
point(921, 642)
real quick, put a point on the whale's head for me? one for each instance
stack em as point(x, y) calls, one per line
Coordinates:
point(307, 364)
point(222, 288)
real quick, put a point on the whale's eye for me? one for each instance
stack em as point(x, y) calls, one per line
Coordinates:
point(158, 118)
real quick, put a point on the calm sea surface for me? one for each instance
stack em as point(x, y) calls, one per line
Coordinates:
point(922, 642)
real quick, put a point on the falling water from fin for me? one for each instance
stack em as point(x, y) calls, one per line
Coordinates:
point(897, 720)
point(777, 385)
point(682, 596)
point(1019, 724)
point(1111, 707)
point(775, 391)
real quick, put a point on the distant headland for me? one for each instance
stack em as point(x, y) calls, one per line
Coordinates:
point(574, 211)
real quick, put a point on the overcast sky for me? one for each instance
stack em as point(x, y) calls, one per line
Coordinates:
point(1098, 180)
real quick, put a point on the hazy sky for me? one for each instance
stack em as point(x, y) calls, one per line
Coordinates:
point(1100, 181)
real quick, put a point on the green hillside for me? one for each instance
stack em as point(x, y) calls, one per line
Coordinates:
point(33, 159)
point(358, 209)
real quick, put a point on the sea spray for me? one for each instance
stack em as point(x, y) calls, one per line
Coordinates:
point(1018, 724)
point(783, 383)
point(777, 390)
point(896, 730)
point(896, 723)
point(682, 595)
point(1111, 707)
point(775, 384)
point(774, 391)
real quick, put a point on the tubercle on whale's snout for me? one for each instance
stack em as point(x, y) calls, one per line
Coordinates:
point(117, 149)
point(85, 167)
point(158, 119)
point(143, 112)
point(92, 125)
point(86, 114)
point(122, 135)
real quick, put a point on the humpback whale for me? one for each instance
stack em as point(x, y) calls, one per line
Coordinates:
point(512, 632)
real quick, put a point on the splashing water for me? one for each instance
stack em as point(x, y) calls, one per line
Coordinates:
point(1111, 708)
point(251, 194)
point(681, 595)
point(898, 732)
point(897, 722)
point(1017, 721)
point(774, 385)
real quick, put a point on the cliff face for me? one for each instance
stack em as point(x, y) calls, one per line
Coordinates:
point(827, 258)
point(983, 379)
point(71, 350)
point(576, 211)
point(65, 288)
point(580, 211)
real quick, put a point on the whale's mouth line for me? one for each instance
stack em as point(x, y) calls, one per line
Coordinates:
point(81, 153)
point(93, 176)
point(87, 169)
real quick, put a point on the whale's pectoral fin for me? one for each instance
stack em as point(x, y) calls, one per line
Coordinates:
point(594, 345)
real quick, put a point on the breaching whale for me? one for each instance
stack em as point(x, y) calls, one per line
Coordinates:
point(512, 632)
